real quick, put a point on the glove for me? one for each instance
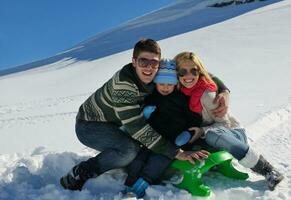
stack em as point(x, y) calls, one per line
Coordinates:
point(147, 111)
point(183, 138)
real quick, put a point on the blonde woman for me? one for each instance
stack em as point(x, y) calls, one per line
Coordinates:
point(221, 133)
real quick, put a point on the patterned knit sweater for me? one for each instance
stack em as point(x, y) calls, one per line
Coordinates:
point(120, 101)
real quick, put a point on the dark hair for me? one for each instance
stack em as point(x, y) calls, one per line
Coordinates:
point(146, 45)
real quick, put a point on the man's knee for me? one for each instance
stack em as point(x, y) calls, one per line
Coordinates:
point(129, 152)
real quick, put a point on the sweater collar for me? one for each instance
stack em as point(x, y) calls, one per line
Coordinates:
point(130, 71)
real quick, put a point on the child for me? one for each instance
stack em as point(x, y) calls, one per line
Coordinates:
point(167, 111)
point(221, 133)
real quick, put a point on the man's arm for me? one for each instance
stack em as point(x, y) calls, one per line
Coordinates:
point(220, 85)
point(128, 110)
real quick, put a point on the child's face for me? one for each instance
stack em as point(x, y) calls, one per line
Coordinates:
point(165, 89)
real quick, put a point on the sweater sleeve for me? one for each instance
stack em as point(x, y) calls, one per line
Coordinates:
point(210, 121)
point(221, 86)
point(127, 109)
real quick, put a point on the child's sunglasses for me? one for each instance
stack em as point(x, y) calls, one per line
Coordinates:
point(184, 72)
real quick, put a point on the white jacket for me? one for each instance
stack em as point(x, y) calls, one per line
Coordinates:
point(209, 120)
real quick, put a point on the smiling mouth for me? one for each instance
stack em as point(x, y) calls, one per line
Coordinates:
point(188, 80)
point(147, 73)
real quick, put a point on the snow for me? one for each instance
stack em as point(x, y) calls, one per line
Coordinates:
point(247, 46)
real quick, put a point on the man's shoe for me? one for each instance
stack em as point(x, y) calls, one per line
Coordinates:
point(76, 178)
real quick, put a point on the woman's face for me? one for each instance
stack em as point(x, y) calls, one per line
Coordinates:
point(188, 73)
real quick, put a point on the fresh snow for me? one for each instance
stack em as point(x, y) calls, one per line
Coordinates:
point(247, 46)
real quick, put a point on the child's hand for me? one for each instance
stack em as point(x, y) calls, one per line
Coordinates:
point(192, 155)
point(197, 133)
point(147, 111)
point(183, 138)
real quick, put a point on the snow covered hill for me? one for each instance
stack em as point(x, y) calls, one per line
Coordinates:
point(247, 46)
point(181, 17)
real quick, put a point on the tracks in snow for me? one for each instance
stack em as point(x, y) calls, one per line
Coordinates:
point(40, 111)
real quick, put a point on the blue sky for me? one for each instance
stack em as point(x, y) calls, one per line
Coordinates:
point(35, 29)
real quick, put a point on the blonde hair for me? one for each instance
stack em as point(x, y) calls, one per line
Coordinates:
point(189, 56)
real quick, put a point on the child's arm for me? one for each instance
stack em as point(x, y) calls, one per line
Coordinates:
point(148, 110)
point(150, 105)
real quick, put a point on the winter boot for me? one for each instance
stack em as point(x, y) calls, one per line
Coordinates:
point(138, 189)
point(76, 178)
point(272, 176)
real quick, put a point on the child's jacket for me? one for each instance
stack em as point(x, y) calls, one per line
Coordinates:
point(172, 115)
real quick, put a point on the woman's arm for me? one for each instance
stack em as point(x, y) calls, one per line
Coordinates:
point(221, 99)
point(208, 104)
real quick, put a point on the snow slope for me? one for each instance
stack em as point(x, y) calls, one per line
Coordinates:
point(171, 20)
point(248, 48)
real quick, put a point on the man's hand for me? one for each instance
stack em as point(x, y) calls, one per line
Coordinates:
point(198, 132)
point(192, 155)
point(222, 99)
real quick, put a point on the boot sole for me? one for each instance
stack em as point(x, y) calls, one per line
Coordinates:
point(272, 188)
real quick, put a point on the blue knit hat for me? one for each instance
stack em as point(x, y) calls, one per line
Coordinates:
point(167, 72)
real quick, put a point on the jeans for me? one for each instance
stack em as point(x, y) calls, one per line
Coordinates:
point(232, 140)
point(117, 148)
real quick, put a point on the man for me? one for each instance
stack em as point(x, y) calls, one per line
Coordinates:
point(111, 119)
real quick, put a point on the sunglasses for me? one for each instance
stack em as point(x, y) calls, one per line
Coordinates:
point(144, 62)
point(184, 72)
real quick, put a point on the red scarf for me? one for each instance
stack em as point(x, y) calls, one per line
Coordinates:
point(196, 92)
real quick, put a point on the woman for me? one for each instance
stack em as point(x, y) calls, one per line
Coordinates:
point(221, 133)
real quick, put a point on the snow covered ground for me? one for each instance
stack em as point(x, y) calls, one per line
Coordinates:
point(247, 46)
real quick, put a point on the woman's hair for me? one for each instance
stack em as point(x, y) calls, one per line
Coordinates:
point(189, 56)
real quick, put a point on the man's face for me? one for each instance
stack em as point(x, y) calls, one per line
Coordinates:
point(146, 66)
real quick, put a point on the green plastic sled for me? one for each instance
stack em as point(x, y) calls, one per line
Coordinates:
point(192, 173)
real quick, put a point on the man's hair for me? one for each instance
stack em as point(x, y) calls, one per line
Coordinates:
point(146, 45)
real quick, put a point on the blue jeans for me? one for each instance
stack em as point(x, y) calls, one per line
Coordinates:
point(117, 149)
point(232, 140)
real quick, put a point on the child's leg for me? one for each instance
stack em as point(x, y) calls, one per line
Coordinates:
point(155, 168)
point(146, 169)
point(134, 169)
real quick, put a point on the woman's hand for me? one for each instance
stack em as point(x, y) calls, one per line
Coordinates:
point(192, 155)
point(198, 132)
point(222, 99)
